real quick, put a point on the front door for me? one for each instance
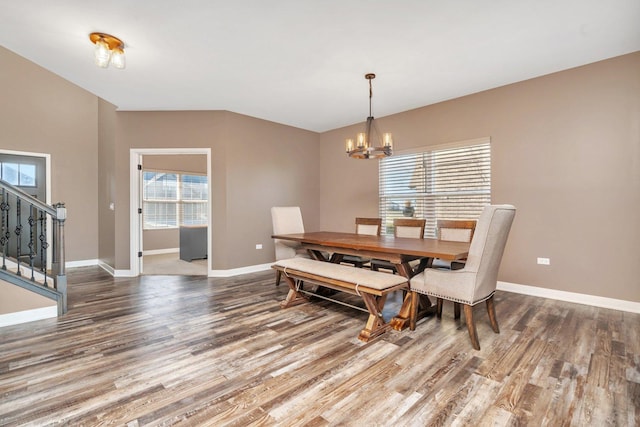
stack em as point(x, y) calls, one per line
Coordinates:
point(28, 173)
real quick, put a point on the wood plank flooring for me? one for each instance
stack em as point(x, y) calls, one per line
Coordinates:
point(175, 350)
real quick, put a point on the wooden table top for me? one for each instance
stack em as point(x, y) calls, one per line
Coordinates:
point(433, 248)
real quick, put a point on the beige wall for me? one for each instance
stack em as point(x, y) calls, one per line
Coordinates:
point(268, 164)
point(153, 240)
point(43, 113)
point(255, 164)
point(106, 182)
point(15, 299)
point(565, 152)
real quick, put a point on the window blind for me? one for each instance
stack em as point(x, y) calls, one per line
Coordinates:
point(193, 208)
point(451, 182)
point(171, 199)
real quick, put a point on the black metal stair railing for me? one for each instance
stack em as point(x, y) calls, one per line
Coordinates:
point(25, 246)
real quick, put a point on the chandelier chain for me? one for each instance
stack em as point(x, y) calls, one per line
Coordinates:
point(370, 96)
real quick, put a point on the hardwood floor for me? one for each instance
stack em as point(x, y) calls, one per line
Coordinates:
point(173, 350)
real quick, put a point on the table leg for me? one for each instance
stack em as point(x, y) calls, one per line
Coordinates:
point(424, 263)
point(414, 305)
point(336, 258)
point(317, 255)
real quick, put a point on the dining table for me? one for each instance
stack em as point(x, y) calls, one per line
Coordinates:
point(331, 246)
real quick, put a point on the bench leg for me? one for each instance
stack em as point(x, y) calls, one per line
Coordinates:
point(293, 297)
point(376, 325)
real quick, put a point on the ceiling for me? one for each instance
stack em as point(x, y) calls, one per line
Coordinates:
point(302, 62)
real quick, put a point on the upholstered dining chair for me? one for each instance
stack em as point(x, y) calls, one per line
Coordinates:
point(368, 226)
point(402, 227)
point(476, 281)
point(287, 220)
point(453, 230)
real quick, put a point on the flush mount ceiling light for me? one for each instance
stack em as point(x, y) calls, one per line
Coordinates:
point(109, 49)
point(370, 144)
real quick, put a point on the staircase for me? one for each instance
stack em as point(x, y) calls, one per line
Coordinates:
point(30, 258)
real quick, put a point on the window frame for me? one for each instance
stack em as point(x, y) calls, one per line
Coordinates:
point(19, 165)
point(402, 184)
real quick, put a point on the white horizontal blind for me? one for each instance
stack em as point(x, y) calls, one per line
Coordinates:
point(159, 200)
point(443, 183)
point(172, 199)
point(193, 200)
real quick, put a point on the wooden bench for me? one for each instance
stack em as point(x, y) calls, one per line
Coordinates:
point(372, 286)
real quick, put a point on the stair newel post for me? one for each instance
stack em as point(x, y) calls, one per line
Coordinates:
point(58, 261)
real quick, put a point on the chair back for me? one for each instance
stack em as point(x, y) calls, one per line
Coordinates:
point(405, 227)
point(286, 220)
point(487, 247)
point(456, 230)
point(369, 226)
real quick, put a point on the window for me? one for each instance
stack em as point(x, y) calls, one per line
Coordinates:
point(20, 174)
point(171, 199)
point(452, 182)
point(194, 200)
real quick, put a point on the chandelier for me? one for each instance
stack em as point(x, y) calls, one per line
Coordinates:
point(370, 144)
point(109, 49)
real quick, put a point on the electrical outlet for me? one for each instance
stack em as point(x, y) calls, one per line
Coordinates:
point(544, 261)
point(259, 246)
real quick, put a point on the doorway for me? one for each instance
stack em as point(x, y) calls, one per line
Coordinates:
point(170, 194)
point(30, 172)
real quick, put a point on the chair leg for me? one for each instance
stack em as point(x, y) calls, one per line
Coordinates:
point(456, 310)
point(471, 326)
point(491, 310)
point(439, 303)
point(278, 275)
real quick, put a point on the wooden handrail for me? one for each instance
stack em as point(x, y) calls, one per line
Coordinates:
point(29, 198)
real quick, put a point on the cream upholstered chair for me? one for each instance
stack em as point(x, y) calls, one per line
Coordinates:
point(477, 281)
point(287, 220)
point(453, 230)
point(402, 227)
point(369, 226)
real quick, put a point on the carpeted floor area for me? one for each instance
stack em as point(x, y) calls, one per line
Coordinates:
point(172, 264)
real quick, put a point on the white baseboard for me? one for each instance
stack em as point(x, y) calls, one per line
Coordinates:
point(596, 301)
point(106, 267)
point(238, 271)
point(161, 251)
point(115, 273)
point(28, 315)
point(81, 263)
point(124, 273)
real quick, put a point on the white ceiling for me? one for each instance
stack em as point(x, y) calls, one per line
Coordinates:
point(302, 62)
